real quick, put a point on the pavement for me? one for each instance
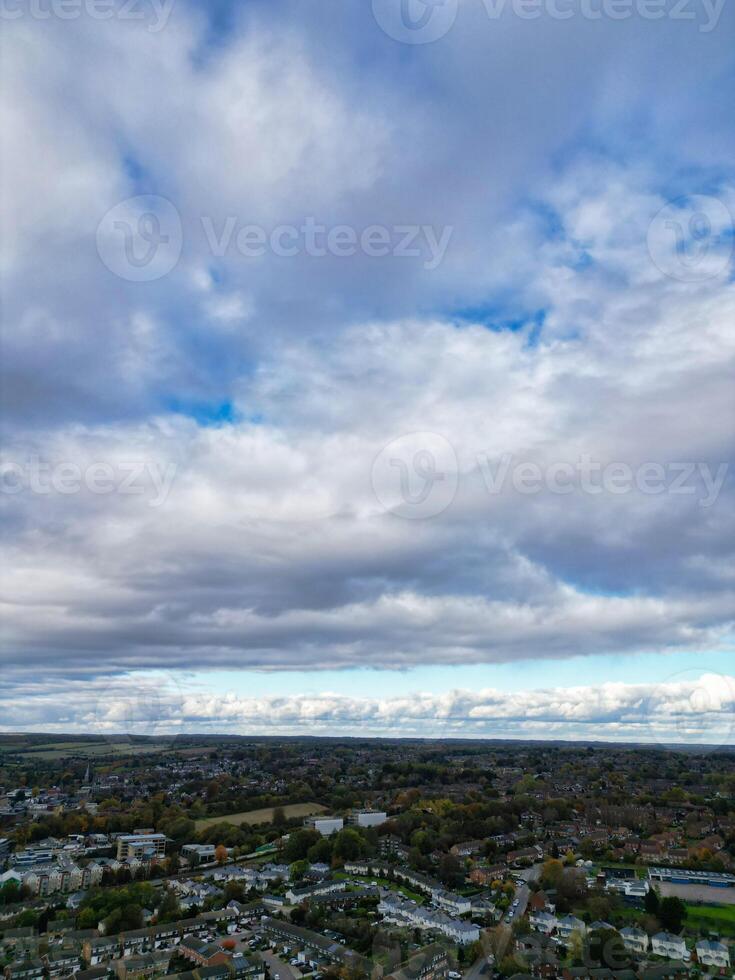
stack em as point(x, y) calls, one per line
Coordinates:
point(698, 893)
point(278, 966)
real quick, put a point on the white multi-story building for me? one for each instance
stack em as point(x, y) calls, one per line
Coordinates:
point(634, 940)
point(668, 945)
point(367, 818)
point(711, 953)
point(326, 826)
point(62, 877)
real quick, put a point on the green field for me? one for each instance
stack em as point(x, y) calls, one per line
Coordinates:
point(384, 883)
point(94, 749)
point(253, 817)
point(32, 747)
point(718, 918)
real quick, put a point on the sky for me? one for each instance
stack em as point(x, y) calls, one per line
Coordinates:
point(367, 368)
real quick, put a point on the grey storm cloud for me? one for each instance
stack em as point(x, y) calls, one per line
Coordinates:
point(289, 463)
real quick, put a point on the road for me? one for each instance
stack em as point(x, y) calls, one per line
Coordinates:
point(523, 893)
point(521, 896)
point(479, 970)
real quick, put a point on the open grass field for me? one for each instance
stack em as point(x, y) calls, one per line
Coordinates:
point(718, 918)
point(47, 747)
point(253, 817)
point(384, 883)
point(93, 750)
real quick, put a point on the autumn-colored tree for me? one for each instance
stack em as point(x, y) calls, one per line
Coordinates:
point(220, 853)
point(551, 873)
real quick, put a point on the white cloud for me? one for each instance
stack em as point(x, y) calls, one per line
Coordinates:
point(699, 709)
point(271, 547)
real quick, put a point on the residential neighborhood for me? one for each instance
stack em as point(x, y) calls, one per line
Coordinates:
point(225, 859)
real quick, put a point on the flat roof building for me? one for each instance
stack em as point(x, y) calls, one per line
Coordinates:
point(326, 826)
point(367, 818)
point(143, 846)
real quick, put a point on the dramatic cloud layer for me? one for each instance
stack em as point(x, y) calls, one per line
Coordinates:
point(685, 708)
point(513, 444)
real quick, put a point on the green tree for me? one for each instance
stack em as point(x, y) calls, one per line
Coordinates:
point(298, 869)
point(297, 846)
point(234, 891)
point(551, 873)
point(348, 845)
point(672, 912)
point(321, 851)
point(87, 919)
point(450, 871)
point(651, 901)
point(510, 965)
point(10, 892)
point(169, 909)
